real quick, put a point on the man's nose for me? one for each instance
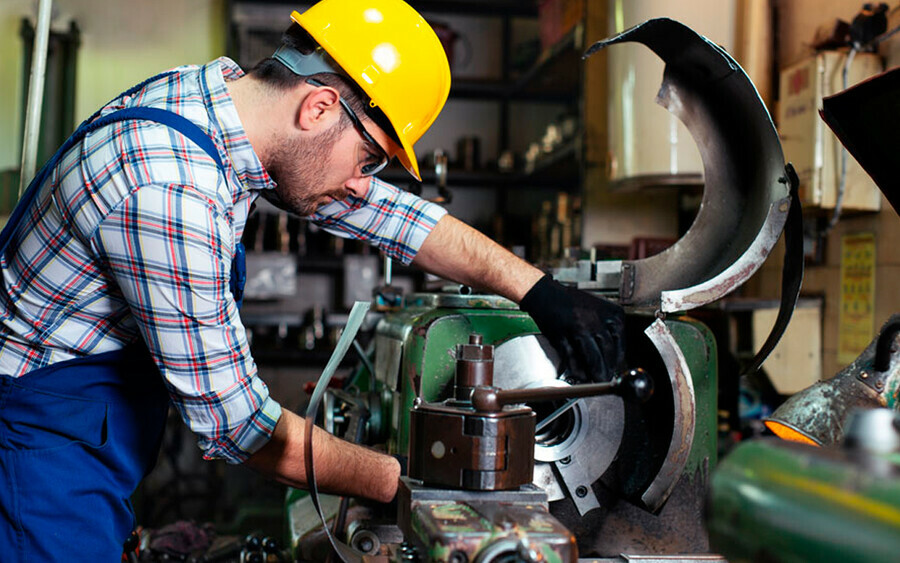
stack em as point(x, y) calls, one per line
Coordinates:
point(358, 186)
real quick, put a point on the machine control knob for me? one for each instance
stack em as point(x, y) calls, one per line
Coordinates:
point(636, 385)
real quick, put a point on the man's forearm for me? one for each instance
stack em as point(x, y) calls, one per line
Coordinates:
point(456, 251)
point(341, 467)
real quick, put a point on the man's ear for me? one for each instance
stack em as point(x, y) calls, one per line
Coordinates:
point(318, 108)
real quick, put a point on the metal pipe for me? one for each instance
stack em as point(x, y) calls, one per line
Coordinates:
point(35, 95)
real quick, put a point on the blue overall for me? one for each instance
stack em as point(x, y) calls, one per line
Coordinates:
point(77, 437)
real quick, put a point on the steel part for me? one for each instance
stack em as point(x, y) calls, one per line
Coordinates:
point(587, 435)
point(598, 434)
point(634, 384)
point(684, 415)
point(791, 274)
point(32, 132)
point(474, 366)
point(460, 448)
point(527, 360)
point(543, 424)
point(447, 524)
point(415, 491)
point(365, 541)
point(428, 367)
point(546, 479)
point(578, 480)
point(773, 500)
point(745, 198)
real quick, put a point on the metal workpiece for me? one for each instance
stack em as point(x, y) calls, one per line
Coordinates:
point(773, 500)
point(422, 343)
point(482, 527)
point(624, 523)
point(474, 367)
point(746, 189)
point(684, 418)
point(578, 446)
point(457, 447)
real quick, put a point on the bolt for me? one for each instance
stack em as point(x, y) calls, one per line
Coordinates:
point(879, 384)
point(366, 544)
point(864, 375)
point(566, 460)
point(581, 491)
point(407, 552)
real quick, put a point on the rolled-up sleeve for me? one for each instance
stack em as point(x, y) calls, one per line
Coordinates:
point(169, 252)
point(395, 221)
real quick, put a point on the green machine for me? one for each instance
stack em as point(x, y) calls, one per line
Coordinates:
point(510, 462)
point(782, 501)
point(831, 490)
point(610, 475)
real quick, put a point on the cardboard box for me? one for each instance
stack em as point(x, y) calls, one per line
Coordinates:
point(796, 361)
point(556, 18)
point(808, 142)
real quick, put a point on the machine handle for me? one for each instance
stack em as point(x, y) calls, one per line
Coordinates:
point(634, 384)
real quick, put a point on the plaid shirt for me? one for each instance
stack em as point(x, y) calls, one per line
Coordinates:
point(132, 237)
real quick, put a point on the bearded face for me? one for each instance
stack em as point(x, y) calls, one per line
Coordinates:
point(304, 171)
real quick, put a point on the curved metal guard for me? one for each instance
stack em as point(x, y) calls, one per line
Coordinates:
point(684, 416)
point(746, 194)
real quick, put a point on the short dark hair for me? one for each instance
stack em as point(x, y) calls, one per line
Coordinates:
point(274, 74)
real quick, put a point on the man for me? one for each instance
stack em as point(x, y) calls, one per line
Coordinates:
point(116, 270)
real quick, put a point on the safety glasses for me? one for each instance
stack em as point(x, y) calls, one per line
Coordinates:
point(371, 157)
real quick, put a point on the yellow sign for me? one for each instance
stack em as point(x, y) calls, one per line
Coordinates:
point(857, 313)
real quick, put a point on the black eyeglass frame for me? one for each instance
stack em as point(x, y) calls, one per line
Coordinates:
point(367, 169)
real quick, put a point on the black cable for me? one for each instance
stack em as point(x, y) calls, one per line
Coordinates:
point(883, 346)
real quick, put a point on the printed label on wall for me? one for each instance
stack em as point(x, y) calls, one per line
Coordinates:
point(857, 312)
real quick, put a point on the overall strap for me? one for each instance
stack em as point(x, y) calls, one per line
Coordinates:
point(170, 119)
point(164, 117)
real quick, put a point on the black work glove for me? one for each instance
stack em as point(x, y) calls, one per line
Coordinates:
point(587, 331)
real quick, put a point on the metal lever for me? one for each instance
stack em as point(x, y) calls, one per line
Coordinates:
point(635, 384)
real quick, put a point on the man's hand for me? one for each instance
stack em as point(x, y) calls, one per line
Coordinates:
point(589, 332)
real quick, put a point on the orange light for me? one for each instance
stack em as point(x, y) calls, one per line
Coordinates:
point(789, 434)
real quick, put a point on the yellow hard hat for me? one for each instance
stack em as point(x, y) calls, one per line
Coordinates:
point(392, 53)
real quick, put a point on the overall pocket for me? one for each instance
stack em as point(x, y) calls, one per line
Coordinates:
point(35, 419)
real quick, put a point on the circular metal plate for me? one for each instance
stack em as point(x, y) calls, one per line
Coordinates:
point(587, 436)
